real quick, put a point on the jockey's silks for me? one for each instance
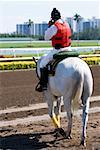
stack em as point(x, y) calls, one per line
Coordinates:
point(63, 35)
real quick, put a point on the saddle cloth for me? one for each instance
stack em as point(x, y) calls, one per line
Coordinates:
point(57, 58)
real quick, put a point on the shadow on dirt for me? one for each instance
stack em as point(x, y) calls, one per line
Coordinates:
point(27, 141)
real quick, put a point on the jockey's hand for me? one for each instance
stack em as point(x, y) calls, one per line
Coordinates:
point(51, 22)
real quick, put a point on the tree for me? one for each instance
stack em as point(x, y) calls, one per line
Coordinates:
point(30, 22)
point(77, 18)
point(30, 25)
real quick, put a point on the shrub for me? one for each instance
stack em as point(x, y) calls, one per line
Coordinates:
point(31, 64)
point(92, 60)
point(17, 65)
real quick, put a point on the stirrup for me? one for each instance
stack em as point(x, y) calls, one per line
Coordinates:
point(40, 88)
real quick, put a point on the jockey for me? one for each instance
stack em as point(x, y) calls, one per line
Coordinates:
point(59, 33)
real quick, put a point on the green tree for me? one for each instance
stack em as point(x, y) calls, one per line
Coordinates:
point(30, 22)
point(77, 18)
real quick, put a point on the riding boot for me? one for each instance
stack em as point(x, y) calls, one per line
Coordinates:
point(43, 80)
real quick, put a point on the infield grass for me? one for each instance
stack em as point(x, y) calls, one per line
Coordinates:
point(45, 44)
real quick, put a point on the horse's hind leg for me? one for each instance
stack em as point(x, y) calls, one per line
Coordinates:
point(84, 119)
point(87, 91)
point(67, 105)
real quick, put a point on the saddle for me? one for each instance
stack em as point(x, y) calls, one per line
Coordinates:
point(57, 58)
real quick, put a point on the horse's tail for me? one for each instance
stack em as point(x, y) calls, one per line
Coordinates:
point(78, 94)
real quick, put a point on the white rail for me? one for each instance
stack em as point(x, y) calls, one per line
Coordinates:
point(16, 59)
point(39, 106)
point(32, 119)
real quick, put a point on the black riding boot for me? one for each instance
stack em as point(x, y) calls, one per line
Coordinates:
point(43, 80)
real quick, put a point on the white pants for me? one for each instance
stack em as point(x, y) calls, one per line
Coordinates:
point(48, 57)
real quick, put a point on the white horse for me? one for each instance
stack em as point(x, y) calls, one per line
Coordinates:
point(72, 81)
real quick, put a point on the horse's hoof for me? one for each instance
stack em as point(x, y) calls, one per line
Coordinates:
point(56, 130)
point(63, 133)
point(60, 131)
point(56, 133)
point(83, 143)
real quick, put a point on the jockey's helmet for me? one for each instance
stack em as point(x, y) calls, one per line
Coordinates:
point(55, 14)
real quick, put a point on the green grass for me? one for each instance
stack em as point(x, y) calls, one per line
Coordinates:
point(89, 43)
point(25, 45)
point(45, 44)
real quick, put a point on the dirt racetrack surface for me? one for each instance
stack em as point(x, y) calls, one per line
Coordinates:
point(41, 135)
point(17, 89)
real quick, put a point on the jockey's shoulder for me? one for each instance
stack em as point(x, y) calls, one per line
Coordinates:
point(60, 21)
point(54, 27)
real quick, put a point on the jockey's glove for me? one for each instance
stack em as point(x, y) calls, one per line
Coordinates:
point(51, 22)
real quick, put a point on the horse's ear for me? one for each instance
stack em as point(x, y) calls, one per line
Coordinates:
point(33, 58)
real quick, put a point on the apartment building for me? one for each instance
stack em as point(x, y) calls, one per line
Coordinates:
point(34, 29)
point(40, 28)
point(84, 24)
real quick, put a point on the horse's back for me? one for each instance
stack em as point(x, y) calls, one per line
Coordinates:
point(70, 66)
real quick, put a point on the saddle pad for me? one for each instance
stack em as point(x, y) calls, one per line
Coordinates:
point(57, 58)
point(65, 54)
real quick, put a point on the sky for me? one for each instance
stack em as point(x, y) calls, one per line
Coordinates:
point(14, 12)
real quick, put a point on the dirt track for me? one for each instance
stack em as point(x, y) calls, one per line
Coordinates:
point(41, 135)
point(17, 90)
